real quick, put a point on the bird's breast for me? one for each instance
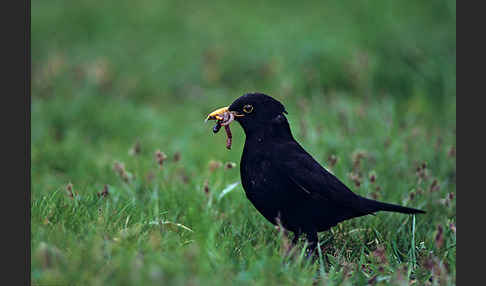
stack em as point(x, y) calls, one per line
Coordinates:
point(255, 173)
point(259, 177)
point(265, 187)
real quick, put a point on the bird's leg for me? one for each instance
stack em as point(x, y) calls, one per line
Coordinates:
point(313, 241)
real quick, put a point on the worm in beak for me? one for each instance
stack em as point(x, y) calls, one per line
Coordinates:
point(223, 117)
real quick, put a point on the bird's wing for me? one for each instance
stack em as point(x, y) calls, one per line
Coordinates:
point(310, 177)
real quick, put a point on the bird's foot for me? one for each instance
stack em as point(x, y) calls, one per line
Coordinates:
point(311, 250)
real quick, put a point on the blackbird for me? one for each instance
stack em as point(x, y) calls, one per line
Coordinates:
point(284, 183)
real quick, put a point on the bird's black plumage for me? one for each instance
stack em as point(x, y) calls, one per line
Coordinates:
point(283, 181)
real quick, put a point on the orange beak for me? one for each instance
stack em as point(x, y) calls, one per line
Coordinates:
point(217, 114)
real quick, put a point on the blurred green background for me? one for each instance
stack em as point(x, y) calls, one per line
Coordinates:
point(378, 76)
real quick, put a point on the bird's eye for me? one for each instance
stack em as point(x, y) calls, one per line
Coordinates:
point(248, 108)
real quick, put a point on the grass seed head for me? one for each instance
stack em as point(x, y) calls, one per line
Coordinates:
point(439, 237)
point(375, 195)
point(206, 187)
point(357, 157)
point(104, 193)
point(421, 172)
point(452, 152)
point(119, 168)
point(69, 190)
point(372, 176)
point(448, 199)
point(213, 165)
point(356, 178)
point(332, 160)
point(450, 196)
point(411, 195)
point(229, 165)
point(177, 157)
point(452, 227)
point(136, 149)
point(434, 186)
point(160, 157)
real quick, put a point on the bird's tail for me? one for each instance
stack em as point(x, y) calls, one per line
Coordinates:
point(381, 206)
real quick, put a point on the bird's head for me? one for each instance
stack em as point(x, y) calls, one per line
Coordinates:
point(252, 110)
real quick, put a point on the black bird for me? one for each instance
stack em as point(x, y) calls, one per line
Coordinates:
point(284, 183)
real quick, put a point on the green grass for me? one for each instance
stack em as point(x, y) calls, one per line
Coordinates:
point(376, 79)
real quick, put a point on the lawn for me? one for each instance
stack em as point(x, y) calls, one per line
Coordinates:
point(371, 94)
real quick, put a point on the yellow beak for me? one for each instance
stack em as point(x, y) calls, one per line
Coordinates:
point(217, 114)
